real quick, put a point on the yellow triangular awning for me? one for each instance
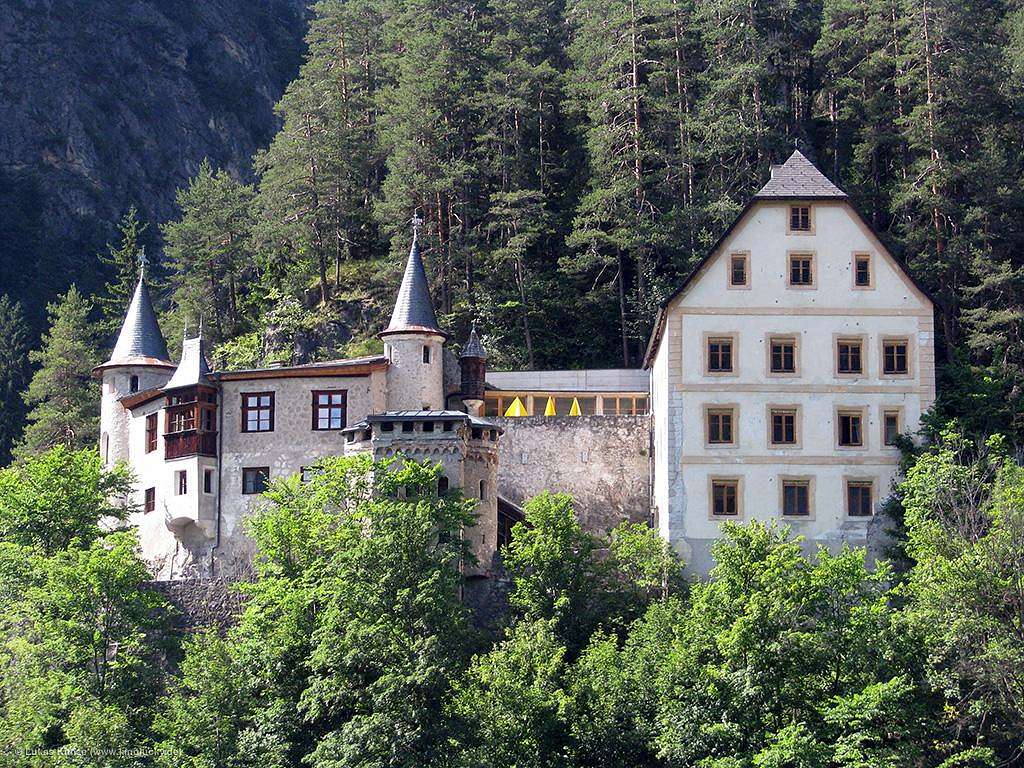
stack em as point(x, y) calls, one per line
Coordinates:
point(549, 409)
point(516, 409)
point(575, 410)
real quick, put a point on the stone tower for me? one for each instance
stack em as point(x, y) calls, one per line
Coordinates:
point(413, 343)
point(473, 367)
point(138, 363)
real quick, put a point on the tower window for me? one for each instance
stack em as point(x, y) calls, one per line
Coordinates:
point(258, 412)
point(151, 433)
point(255, 480)
point(483, 490)
point(407, 426)
point(442, 485)
point(133, 384)
point(426, 354)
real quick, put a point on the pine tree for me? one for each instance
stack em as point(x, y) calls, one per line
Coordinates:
point(123, 261)
point(14, 348)
point(209, 252)
point(62, 395)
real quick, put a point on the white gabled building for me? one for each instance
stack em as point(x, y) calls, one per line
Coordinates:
point(783, 368)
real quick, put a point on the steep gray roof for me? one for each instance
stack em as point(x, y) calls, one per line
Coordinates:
point(474, 348)
point(414, 311)
point(798, 178)
point(140, 339)
point(193, 368)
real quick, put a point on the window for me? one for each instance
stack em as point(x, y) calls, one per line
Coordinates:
point(801, 270)
point(799, 218)
point(150, 500)
point(181, 482)
point(851, 429)
point(859, 502)
point(483, 490)
point(329, 409)
point(255, 480)
point(862, 277)
point(181, 421)
point(133, 384)
point(387, 426)
point(782, 355)
point(796, 497)
point(720, 355)
point(725, 497)
point(151, 433)
point(407, 426)
point(739, 270)
point(426, 354)
point(442, 485)
point(719, 426)
point(307, 473)
point(895, 360)
point(849, 360)
point(890, 426)
point(207, 481)
point(783, 426)
point(428, 426)
point(258, 412)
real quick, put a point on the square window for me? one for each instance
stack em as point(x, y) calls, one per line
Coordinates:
point(725, 498)
point(890, 427)
point(720, 355)
point(255, 480)
point(796, 498)
point(800, 218)
point(895, 358)
point(849, 358)
point(859, 498)
point(720, 426)
point(330, 409)
point(801, 270)
point(782, 355)
point(738, 270)
point(862, 271)
point(258, 412)
point(783, 426)
point(150, 500)
point(851, 432)
point(407, 426)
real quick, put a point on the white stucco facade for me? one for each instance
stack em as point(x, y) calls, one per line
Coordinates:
point(813, 318)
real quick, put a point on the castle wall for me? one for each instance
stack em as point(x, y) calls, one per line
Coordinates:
point(602, 461)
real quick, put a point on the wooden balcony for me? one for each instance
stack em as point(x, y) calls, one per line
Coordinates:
point(177, 445)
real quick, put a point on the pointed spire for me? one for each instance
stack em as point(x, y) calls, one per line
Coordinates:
point(414, 311)
point(140, 340)
point(798, 178)
point(193, 368)
point(474, 348)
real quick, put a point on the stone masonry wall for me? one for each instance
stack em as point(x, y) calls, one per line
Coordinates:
point(602, 461)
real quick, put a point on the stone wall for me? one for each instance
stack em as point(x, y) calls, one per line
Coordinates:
point(601, 460)
point(201, 603)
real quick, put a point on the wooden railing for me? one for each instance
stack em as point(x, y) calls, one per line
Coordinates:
point(189, 443)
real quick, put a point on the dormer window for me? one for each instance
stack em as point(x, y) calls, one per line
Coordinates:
point(799, 218)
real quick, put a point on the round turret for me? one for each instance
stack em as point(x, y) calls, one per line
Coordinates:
point(473, 366)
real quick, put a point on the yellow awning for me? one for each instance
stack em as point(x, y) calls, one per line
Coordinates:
point(516, 409)
point(575, 410)
point(549, 409)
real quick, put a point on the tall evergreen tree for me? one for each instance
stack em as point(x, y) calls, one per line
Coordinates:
point(14, 373)
point(62, 395)
point(122, 260)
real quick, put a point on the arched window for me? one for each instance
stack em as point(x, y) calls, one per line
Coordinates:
point(133, 384)
point(442, 485)
point(483, 490)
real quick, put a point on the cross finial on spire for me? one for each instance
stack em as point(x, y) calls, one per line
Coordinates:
point(143, 259)
point(416, 222)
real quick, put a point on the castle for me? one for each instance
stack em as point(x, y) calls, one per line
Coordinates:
point(776, 383)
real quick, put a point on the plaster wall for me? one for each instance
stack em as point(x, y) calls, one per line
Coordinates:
point(114, 418)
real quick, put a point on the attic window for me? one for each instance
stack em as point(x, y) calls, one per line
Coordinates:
point(799, 218)
point(738, 277)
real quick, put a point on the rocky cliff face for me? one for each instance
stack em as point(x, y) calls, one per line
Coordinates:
point(105, 103)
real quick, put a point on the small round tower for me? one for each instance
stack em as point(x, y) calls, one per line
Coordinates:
point(473, 367)
point(413, 342)
point(139, 362)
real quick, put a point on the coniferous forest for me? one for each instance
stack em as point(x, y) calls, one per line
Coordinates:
point(571, 161)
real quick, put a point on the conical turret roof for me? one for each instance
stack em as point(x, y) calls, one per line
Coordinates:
point(193, 368)
point(140, 341)
point(414, 311)
point(474, 348)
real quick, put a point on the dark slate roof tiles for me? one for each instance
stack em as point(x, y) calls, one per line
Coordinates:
point(798, 178)
point(140, 338)
point(414, 311)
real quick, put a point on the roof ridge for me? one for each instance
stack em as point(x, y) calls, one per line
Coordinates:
point(798, 178)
